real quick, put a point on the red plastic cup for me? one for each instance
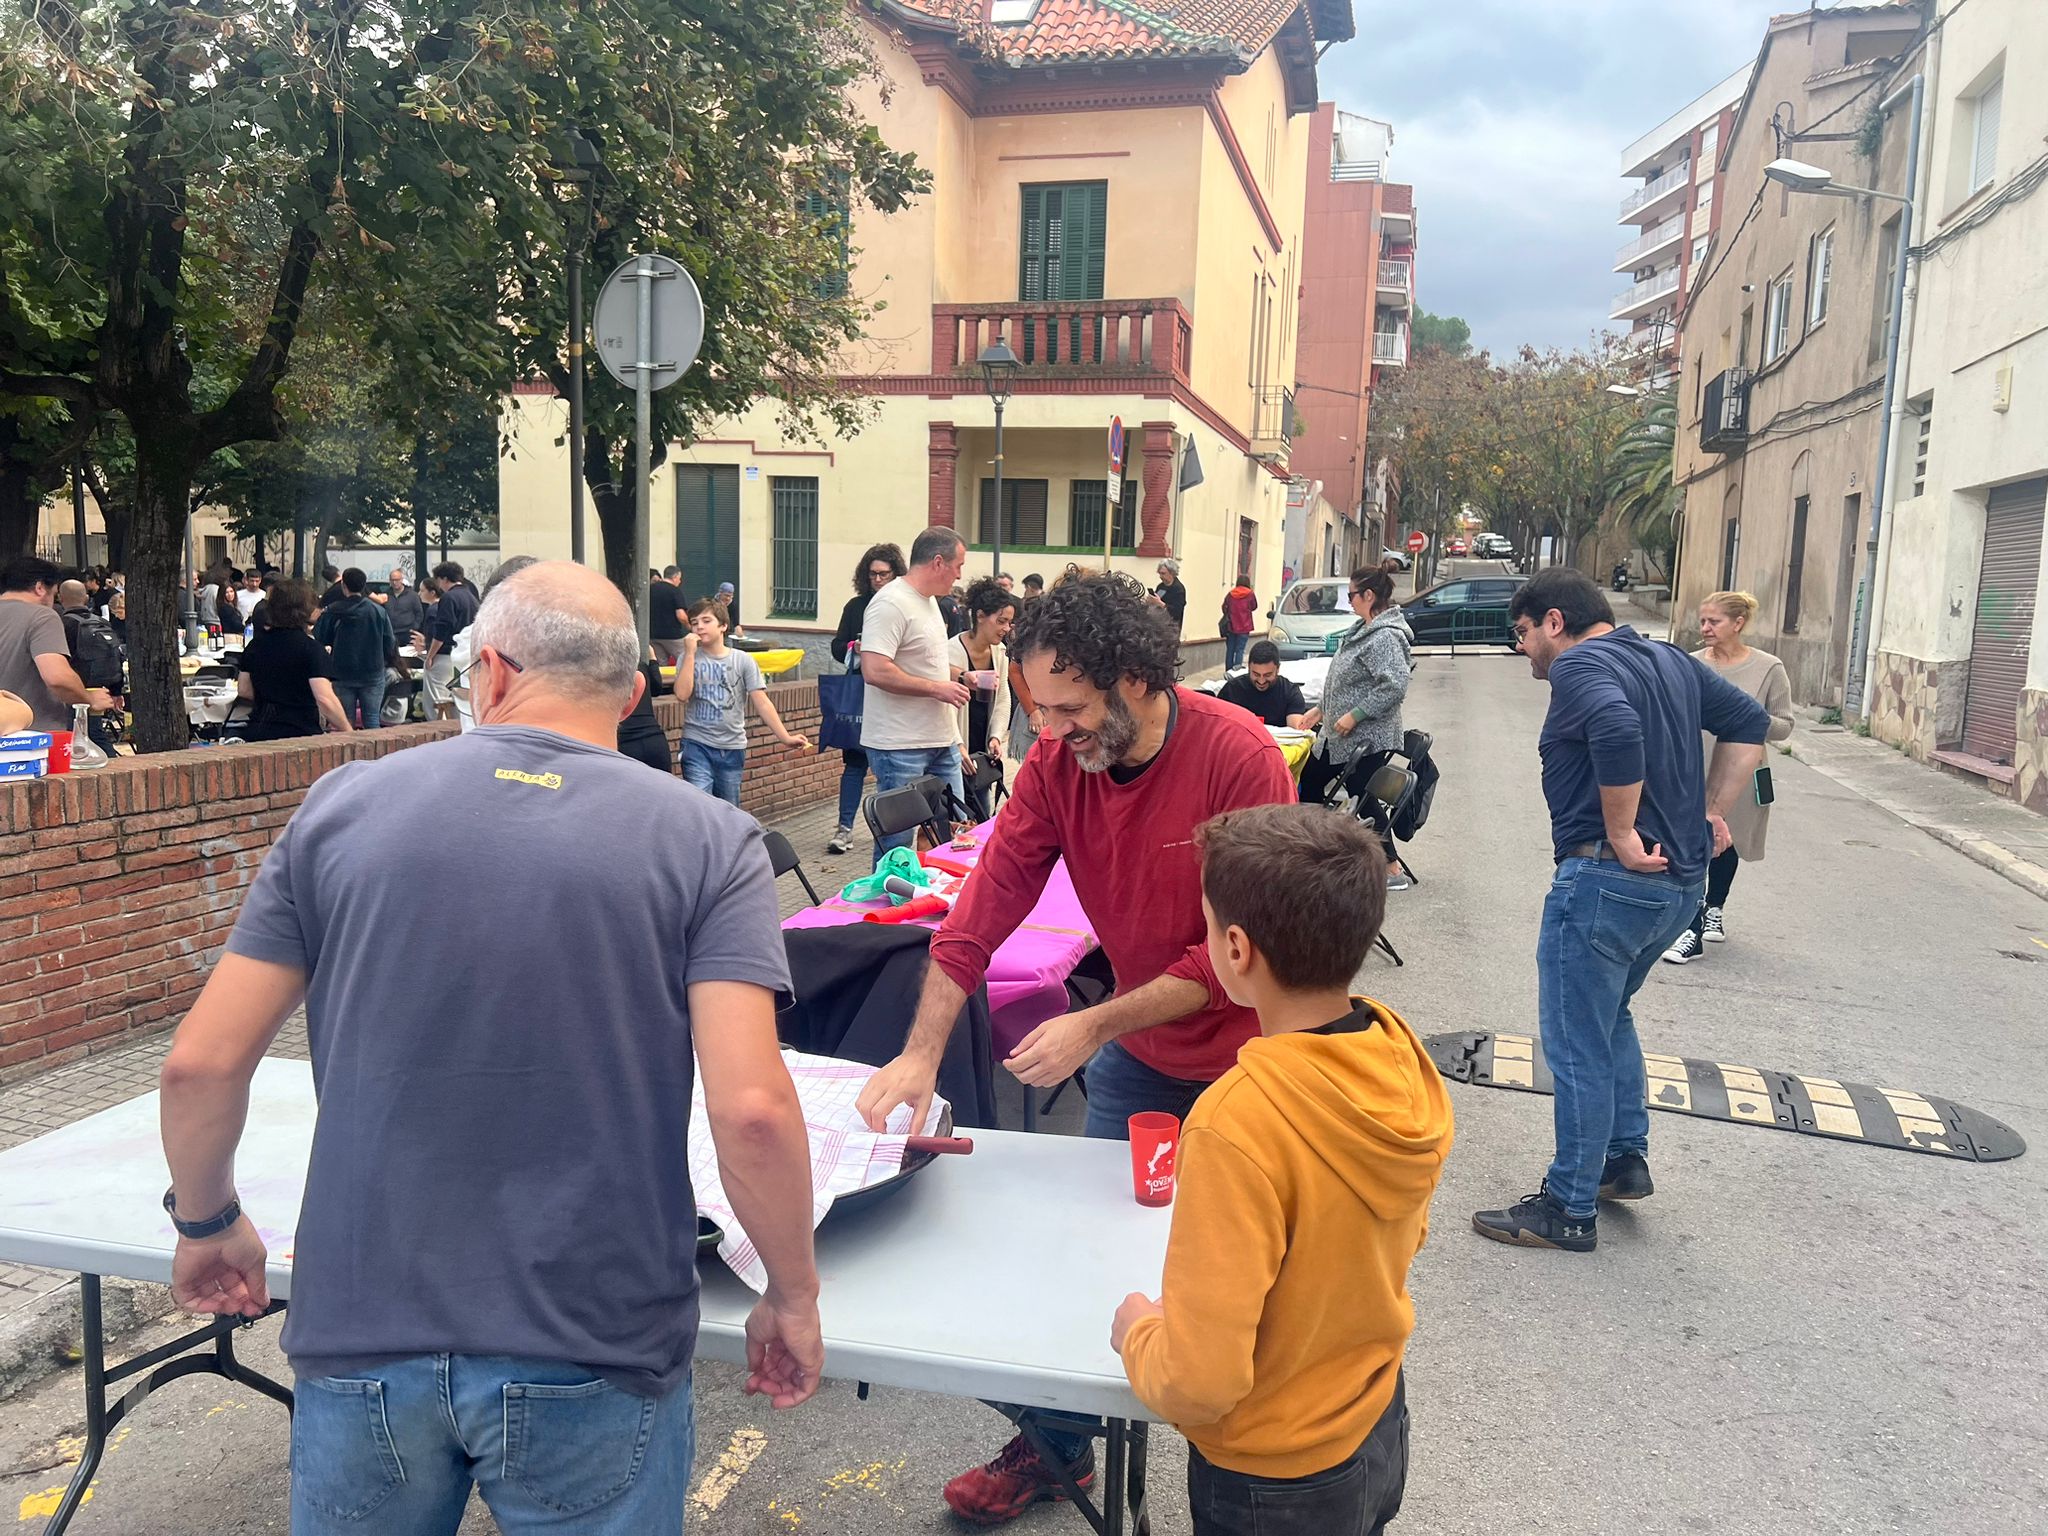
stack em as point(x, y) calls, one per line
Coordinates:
point(60, 752)
point(1155, 1148)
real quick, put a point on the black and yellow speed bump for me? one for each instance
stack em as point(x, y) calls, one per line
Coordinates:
point(1785, 1101)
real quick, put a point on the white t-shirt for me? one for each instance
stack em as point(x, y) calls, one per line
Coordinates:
point(246, 601)
point(907, 627)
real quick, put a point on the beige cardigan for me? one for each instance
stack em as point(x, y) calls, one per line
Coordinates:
point(999, 711)
point(1762, 676)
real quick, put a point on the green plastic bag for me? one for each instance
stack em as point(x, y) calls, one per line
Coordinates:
point(897, 861)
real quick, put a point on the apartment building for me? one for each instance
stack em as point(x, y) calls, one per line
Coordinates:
point(1357, 296)
point(1118, 194)
point(1960, 674)
point(1668, 217)
point(1782, 343)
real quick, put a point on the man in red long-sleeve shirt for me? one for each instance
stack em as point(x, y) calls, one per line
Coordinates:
point(1126, 767)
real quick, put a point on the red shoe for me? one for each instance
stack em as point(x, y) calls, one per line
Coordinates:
point(1012, 1483)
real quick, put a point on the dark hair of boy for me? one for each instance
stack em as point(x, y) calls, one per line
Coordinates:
point(354, 582)
point(1307, 886)
point(1572, 593)
point(713, 605)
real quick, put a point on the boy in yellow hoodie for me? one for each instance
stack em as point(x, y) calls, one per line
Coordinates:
point(1305, 1175)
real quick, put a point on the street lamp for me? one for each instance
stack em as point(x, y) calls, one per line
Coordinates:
point(582, 169)
point(998, 373)
point(1798, 176)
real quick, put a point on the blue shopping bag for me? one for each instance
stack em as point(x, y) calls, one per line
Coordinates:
point(840, 698)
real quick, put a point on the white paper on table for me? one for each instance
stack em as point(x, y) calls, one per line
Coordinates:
point(845, 1155)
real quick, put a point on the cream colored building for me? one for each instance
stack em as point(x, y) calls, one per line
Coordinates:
point(1961, 671)
point(1118, 193)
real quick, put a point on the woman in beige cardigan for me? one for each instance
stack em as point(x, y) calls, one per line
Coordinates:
point(1723, 618)
point(980, 649)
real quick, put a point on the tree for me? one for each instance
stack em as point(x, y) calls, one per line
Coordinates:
point(1441, 333)
point(160, 165)
point(1643, 497)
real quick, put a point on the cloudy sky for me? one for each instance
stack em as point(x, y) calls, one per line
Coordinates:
point(1509, 118)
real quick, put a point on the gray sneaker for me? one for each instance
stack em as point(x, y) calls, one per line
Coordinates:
point(1400, 881)
point(842, 840)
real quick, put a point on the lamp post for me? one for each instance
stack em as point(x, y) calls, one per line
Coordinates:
point(581, 170)
point(1801, 177)
point(998, 372)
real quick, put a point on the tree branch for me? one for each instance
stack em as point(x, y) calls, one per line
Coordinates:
point(48, 386)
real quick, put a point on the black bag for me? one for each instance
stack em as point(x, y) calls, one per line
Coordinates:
point(97, 651)
point(1409, 816)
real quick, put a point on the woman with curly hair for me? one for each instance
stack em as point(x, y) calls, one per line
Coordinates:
point(882, 564)
point(979, 653)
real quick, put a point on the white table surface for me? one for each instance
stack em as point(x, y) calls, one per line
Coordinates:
point(991, 1276)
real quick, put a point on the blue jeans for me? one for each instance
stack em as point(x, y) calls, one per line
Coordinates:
point(1234, 647)
point(552, 1446)
point(715, 770)
point(853, 778)
point(895, 767)
point(1603, 929)
point(368, 697)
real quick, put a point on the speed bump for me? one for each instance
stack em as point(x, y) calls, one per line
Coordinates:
point(1785, 1101)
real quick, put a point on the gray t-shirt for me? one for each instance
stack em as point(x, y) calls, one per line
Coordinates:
point(716, 715)
point(500, 1161)
point(29, 630)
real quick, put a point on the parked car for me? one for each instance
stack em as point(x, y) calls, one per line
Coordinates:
point(1403, 561)
point(1455, 547)
point(1308, 613)
point(1470, 610)
point(1493, 546)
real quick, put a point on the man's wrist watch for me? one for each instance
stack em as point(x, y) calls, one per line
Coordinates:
point(213, 1226)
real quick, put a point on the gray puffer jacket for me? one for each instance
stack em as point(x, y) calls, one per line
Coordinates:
point(1368, 675)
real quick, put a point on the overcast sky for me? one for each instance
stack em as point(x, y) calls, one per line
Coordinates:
point(1509, 118)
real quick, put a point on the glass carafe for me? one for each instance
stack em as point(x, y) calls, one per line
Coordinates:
point(85, 752)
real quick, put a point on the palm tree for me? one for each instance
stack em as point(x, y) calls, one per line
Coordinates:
point(1642, 496)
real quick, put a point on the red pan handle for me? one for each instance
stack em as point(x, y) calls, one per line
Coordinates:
point(958, 1144)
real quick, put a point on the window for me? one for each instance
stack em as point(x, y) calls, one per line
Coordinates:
point(1085, 500)
point(1778, 318)
point(1247, 549)
point(1984, 115)
point(793, 557)
point(1710, 140)
point(1705, 198)
point(1316, 597)
point(1820, 267)
point(1742, 339)
point(1062, 243)
point(1023, 512)
point(1699, 249)
point(828, 208)
point(1887, 279)
point(1796, 570)
point(1731, 552)
point(1262, 327)
point(1923, 437)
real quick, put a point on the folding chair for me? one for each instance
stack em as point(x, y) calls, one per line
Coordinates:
point(920, 803)
point(987, 774)
point(783, 860)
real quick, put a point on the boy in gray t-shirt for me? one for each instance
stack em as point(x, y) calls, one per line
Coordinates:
point(715, 682)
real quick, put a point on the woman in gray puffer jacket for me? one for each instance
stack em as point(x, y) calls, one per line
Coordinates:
point(1358, 720)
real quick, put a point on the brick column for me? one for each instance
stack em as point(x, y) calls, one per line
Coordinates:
point(944, 453)
point(1155, 532)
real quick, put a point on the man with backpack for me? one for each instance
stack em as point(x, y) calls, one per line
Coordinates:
point(358, 636)
point(97, 655)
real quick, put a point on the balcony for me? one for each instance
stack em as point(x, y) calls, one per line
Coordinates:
point(1396, 280)
point(1649, 244)
point(1645, 199)
point(1390, 349)
point(1641, 298)
point(1724, 417)
point(1357, 170)
point(1106, 338)
point(1273, 424)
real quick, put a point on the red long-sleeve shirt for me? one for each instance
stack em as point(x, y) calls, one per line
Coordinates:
point(1130, 851)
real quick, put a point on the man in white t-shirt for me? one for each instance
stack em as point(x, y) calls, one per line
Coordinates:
point(909, 716)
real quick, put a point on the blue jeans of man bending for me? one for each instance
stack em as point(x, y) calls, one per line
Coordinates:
point(1603, 928)
point(552, 1446)
point(715, 770)
point(368, 697)
point(895, 767)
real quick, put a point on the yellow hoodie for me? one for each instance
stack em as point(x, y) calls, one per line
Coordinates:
point(1305, 1178)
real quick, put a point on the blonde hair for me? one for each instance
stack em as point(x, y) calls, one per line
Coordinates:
point(1740, 606)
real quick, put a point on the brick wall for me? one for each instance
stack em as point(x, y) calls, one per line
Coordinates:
point(117, 887)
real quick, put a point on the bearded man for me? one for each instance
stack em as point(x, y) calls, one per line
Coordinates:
point(1126, 766)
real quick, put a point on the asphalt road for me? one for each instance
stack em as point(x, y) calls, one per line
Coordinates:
point(1795, 1335)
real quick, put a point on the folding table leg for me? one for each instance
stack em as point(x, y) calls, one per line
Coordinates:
point(95, 1405)
point(1138, 1499)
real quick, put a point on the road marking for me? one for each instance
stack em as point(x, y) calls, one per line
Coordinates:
point(1514, 1060)
point(717, 1484)
point(1667, 1082)
point(40, 1506)
point(2042, 942)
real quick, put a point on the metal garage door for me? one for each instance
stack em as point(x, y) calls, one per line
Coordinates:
point(2006, 592)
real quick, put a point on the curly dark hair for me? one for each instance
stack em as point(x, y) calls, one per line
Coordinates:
point(893, 553)
point(1104, 626)
point(986, 597)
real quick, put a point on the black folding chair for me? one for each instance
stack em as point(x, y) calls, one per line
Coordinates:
point(922, 802)
point(985, 782)
point(783, 860)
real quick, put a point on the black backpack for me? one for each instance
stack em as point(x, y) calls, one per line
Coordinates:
point(1413, 810)
point(98, 653)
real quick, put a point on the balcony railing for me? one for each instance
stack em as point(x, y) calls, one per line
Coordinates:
point(1105, 336)
point(1390, 349)
point(1272, 422)
point(1653, 238)
point(1397, 275)
point(1724, 415)
point(1677, 176)
point(1357, 170)
point(1647, 291)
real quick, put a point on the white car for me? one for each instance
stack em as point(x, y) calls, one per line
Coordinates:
point(1403, 561)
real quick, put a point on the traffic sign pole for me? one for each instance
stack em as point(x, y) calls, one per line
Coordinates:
point(1113, 487)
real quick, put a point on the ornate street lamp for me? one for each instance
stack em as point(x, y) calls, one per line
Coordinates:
point(998, 374)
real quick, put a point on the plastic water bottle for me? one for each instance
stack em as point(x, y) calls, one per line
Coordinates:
point(85, 752)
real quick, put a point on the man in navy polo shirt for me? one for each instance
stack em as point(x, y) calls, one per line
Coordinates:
point(1632, 832)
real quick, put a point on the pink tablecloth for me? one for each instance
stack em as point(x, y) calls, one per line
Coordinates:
point(1027, 975)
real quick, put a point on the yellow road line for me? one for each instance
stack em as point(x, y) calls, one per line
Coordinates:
point(717, 1483)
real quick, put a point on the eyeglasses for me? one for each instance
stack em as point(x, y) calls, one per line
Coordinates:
point(882, 572)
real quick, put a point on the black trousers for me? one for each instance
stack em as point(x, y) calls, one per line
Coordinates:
point(1720, 877)
point(1357, 1497)
point(1319, 773)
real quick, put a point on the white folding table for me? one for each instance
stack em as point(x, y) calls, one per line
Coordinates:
point(991, 1276)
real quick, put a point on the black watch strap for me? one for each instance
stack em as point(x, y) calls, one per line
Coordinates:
point(213, 1226)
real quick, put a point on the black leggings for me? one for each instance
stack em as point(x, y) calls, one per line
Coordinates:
point(1720, 876)
point(1319, 773)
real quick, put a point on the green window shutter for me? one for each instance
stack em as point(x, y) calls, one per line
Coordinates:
point(1032, 245)
point(1064, 233)
point(1087, 211)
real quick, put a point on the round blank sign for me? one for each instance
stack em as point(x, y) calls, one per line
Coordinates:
point(677, 317)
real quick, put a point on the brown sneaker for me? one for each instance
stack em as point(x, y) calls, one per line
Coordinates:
point(1017, 1479)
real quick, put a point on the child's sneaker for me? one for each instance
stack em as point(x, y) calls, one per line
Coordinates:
point(1018, 1478)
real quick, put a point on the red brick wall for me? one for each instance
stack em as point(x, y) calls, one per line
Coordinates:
point(117, 887)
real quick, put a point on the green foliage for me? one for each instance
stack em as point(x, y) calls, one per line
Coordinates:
point(1643, 497)
point(1441, 333)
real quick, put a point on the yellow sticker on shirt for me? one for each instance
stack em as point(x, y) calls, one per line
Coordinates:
point(544, 780)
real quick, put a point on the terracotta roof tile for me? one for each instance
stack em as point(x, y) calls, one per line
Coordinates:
point(1074, 30)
